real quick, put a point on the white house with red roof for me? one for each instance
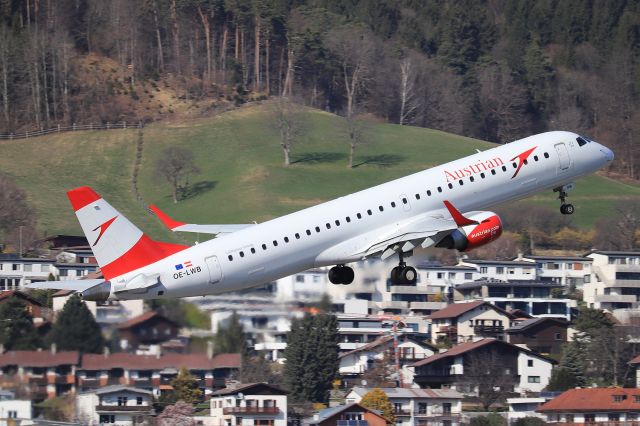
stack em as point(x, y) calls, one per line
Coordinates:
point(593, 405)
point(249, 404)
point(464, 322)
point(120, 405)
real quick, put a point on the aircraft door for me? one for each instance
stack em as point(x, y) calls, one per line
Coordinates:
point(215, 273)
point(406, 204)
point(564, 161)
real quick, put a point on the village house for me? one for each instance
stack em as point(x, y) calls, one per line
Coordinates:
point(570, 271)
point(615, 282)
point(121, 405)
point(543, 335)
point(248, 405)
point(417, 407)
point(593, 405)
point(352, 414)
point(150, 328)
point(512, 368)
point(464, 322)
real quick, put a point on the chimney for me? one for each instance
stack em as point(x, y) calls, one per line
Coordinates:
point(1, 348)
point(106, 352)
point(54, 349)
point(210, 349)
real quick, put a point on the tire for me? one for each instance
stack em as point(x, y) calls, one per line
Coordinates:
point(409, 275)
point(569, 209)
point(335, 275)
point(395, 276)
point(347, 275)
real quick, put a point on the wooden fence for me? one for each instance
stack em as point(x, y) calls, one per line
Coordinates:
point(72, 128)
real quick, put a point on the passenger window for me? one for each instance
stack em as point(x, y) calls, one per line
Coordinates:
point(504, 168)
point(393, 204)
point(482, 175)
point(348, 219)
point(450, 186)
point(337, 223)
point(429, 192)
point(328, 225)
point(264, 247)
point(439, 189)
point(525, 162)
point(369, 212)
point(535, 157)
point(241, 254)
point(317, 229)
point(404, 201)
point(359, 216)
point(275, 243)
point(308, 232)
point(297, 236)
point(230, 257)
point(471, 178)
point(253, 251)
point(417, 196)
point(546, 155)
point(493, 172)
point(381, 208)
point(286, 239)
point(461, 182)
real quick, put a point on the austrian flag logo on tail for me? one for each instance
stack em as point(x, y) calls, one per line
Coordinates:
point(186, 264)
point(522, 158)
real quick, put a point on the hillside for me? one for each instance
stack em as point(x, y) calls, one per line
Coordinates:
point(242, 176)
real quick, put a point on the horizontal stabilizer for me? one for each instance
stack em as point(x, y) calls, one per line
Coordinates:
point(74, 285)
point(175, 225)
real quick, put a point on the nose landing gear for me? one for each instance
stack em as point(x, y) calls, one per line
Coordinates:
point(565, 208)
point(341, 274)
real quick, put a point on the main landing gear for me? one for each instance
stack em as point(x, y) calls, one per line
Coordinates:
point(403, 274)
point(341, 275)
point(565, 208)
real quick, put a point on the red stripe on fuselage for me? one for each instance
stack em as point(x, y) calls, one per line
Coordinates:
point(143, 253)
point(81, 197)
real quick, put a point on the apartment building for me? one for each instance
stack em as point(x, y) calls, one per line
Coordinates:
point(505, 270)
point(572, 272)
point(249, 405)
point(615, 281)
point(418, 407)
point(120, 405)
point(610, 406)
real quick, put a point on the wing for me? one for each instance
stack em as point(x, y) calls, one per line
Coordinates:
point(174, 225)
point(424, 230)
point(75, 285)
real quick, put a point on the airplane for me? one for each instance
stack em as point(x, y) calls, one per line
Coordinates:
point(438, 207)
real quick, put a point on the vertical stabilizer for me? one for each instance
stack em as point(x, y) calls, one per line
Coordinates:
point(118, 245)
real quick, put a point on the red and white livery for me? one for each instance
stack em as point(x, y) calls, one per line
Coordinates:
point(441, 207)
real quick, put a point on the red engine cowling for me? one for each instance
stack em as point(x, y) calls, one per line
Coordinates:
point(466, 238)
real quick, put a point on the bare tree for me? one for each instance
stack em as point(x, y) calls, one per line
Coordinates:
point(5, 43)
point(289, 120)
point(176, 165)
point(17, 218)
point(408, 95)
point(358, 132)
point(493, 373)
point(178, 414)
point(354, 46)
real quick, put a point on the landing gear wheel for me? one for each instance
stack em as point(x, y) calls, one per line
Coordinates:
point(409, 274)
point(341, 275)
point(395, 274)
point(567, 209)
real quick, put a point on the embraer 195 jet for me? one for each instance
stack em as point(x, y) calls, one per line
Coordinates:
point(438, 207)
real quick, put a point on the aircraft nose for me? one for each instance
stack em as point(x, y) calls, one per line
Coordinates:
point(608, 154)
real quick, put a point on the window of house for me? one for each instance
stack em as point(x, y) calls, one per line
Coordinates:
point(139, 400)
point(533, 379)
point(422, 408)
point(299, 278)
point(636, 398)
point(15, 267)
point(558, 336)
point(468, 276)
point(484, 269)
point(618, 398)
point(529, 363)
point(122, 401)
point(589, 418)
point(107, 418)
point(499, 269)
point(614, 417)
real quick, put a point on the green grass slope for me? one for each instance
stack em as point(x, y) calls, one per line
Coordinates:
point(243, 178)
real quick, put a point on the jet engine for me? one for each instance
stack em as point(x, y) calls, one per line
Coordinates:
point(465, 238)
point(97, 293)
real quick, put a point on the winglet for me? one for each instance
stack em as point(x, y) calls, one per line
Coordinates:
point(165, 219)
point(457, 216)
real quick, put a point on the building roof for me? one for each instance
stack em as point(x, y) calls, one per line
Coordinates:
point(39, 358)
point(386, 339)
point(500, 262)
point(119, 388)
point(412, 393)
point(328, 413)
point(427, 265)
point(533, 322)
point(635, 360)
point(615, 253)
point(15, 257)
point(560, 258)
point(9, 293)
point(454, 310)
point(140, 319)
point(251, 389)
point(511, 283)
point(594, 399)
point(198, 361)
point(463, 348)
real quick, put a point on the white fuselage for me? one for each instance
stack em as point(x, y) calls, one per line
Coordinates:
point(312, 237)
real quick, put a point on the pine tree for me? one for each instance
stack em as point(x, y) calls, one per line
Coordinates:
point(76, 329)
point(16, 326)
point(231, 338)
point(376, 399)
point(185, 387)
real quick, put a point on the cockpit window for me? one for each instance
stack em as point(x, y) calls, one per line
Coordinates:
point(581, 141)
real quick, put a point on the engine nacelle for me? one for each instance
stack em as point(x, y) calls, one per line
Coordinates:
point(98, 293)
point(488, 229)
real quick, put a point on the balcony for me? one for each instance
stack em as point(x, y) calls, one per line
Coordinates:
point(250, 410)
point(433, 306)
point(615, 298)
point(64, 380)
point(488, 329)
point(402, 413)
point(409, 289)
point(394, 305)
point(130, 409)
point(448, 329)
point(142, 382)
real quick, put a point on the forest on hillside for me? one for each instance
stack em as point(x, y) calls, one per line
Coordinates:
point(495, 69)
